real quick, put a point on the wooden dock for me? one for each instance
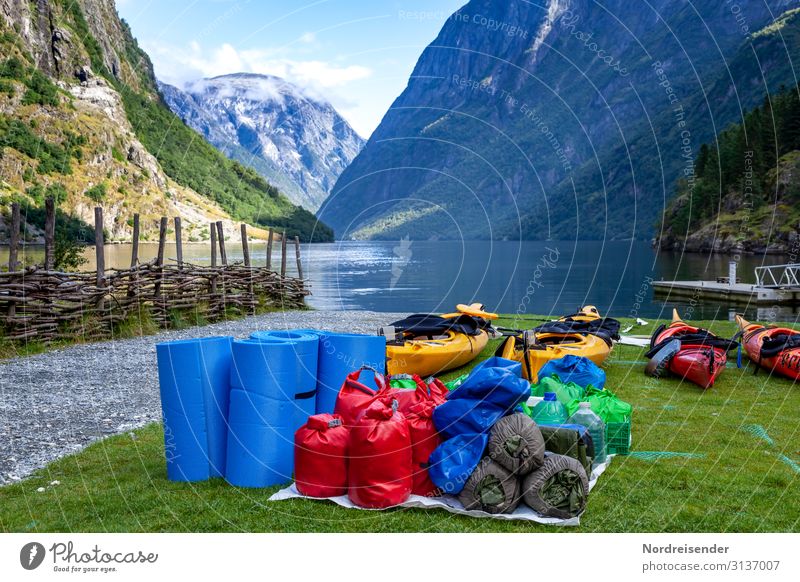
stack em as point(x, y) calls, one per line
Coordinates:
point(736, 293)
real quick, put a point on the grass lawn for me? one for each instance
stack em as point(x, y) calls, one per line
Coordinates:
point(741, 473)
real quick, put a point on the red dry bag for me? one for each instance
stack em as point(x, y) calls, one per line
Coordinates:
point(320, 456)
point(379, 455)
point(438, 391)
point(354, 397)
point(424, 439)
point(408, 397)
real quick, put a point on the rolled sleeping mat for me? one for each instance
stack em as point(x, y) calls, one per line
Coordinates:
point(261, 415)
point(339, 355)
point(194, 381)
point(307, 348)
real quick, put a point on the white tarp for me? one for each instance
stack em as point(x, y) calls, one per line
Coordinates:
point(452, 504)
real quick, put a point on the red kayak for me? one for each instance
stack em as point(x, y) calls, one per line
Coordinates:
point(773, 348)
point(698, 355)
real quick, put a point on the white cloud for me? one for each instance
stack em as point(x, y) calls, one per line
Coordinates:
point(318, 79)
point(180, 65)
point(308, 37)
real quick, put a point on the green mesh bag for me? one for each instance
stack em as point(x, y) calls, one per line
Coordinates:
point(565, 393)
point(605, 404)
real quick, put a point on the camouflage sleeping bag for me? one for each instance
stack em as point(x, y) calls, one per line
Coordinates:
point(571, 440)
point(517, 444)
point(559, 488)
point(491, 488)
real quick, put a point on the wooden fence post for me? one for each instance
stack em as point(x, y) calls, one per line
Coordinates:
point(283, 254)
point(245, 248)
point(213, 228)
point(162, 241)
point(251, 291)
point(13, 244)
point(135, 249)
point(178, 242)
point(133, 287)
point(49, 234)
point(99, 254)
point(269, 249)
point(99, 242)
point(297, 254)
point(221, 235)
point(13, 239)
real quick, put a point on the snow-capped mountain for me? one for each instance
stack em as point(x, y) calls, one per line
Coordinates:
point(298, 141)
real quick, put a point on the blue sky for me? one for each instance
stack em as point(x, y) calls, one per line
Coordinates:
point(357, 54)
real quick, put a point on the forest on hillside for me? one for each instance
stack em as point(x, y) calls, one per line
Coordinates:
point(747, 169)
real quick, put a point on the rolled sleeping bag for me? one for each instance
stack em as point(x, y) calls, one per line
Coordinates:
point(261, 415)
point(194, 381)
point(307, 348)
point(491, 488)
point(339, 355)
point(516, 443)
point(559, 488)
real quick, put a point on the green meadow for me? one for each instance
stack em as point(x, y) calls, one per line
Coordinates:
point(734, 466)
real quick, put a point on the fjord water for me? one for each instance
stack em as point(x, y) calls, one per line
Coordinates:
point(528, 277)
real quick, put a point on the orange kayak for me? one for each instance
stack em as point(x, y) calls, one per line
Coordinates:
point(773, 348)
point(697, 358)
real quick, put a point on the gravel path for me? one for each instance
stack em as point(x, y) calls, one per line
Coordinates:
point(57, 403)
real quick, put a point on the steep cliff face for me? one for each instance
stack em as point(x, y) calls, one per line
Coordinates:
point(298, 142)
point(82, 121)
point(519, 118)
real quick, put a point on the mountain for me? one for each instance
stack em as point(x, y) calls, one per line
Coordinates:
point(297, 141)
point(559, 119)
point(81, 119)
point(745, 195)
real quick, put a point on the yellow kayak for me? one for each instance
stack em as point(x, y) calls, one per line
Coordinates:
point(553, 341)
point(427, 345)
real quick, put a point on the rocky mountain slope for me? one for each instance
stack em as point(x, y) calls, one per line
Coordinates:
point(81, 120)
point(744, 196)
point(296, 141)
point(561, 119)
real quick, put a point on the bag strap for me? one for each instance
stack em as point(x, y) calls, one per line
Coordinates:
point(322, 422)
point(353, 381)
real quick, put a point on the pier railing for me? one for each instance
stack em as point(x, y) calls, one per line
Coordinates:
point(779, 276)
point(39, 303)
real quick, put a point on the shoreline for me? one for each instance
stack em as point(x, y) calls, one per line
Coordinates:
point(60, 401)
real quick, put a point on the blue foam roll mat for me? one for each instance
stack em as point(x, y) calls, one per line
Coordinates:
point(251, 408)
point(194, 381)
point(341, 354)
point(262, 415)
point(255, 456)
point(306, 345)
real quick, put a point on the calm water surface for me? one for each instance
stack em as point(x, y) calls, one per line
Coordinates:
point(528, 277)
